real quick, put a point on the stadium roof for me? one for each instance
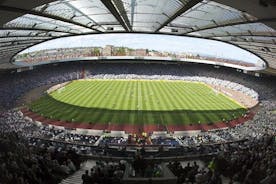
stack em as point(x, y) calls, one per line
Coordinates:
point(249, 24)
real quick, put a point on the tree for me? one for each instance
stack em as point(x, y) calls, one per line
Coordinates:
point(121, 51)
point(97, 51)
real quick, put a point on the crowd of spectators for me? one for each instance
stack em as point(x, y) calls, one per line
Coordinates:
point(256, 128)
point(187, 173)
point(165, 141)
point(112, 140)
point(77, 138)
point(15, 121)
point(14, 85)
point(105, 173)
point(21, 163)
point(252, 162)
point(145, 168)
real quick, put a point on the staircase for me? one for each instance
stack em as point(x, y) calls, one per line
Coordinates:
point(76, 177)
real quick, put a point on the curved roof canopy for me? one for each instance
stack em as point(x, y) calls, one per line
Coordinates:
point(247, 24)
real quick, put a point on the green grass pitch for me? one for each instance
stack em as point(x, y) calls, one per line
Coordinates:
point(137, 102)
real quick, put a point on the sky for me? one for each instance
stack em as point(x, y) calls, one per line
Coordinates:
point(177, 44)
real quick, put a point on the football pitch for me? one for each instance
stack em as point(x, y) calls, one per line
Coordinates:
point(137, 102)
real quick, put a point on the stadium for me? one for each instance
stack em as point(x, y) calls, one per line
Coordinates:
point(137, 91)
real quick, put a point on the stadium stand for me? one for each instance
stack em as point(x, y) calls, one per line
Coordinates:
point(248, 147)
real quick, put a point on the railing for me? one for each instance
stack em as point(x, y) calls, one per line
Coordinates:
point(116, 154)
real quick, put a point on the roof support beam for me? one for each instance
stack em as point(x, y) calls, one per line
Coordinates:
point(24, 41)
point(233, 24)
point(5, 55)
point(9, 53)
point(16, 49)
point(185, 8)
point(255, 41)
point(118, 11)
point(273, 46)
point(15, 46)
point(257, 46)
point(75, 9)
point(36, 29)
point(32, 12)
point(25, 36)
point(259, 51)
point(11, 50)
point(249, 35)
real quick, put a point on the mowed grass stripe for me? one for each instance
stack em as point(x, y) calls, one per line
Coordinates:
point(193, 94)
point(70, 91)
point(132, 103)
point(225, 103)
point(120, 100)
point(156, 102)
point(101, 102)
point(149, 101)
point(220, 115)
point(96, 99)
point(206, 105)
point(77, 97)
point(84, 96)
point(177, 116)
point(128, 101)
point(183, 93)
point(167, 98)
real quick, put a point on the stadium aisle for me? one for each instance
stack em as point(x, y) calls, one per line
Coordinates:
point(76, 177)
